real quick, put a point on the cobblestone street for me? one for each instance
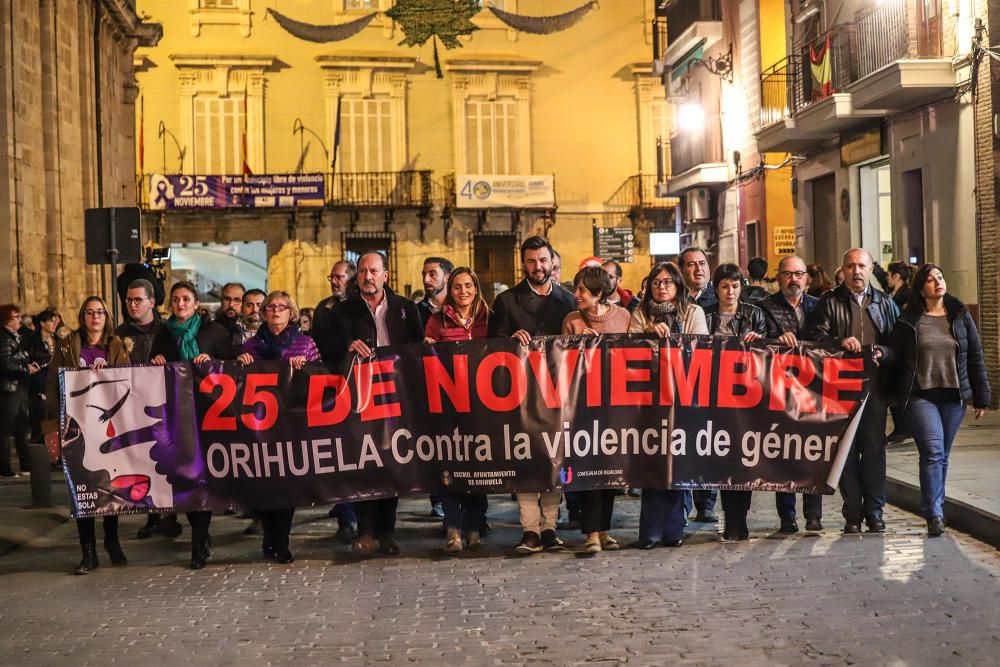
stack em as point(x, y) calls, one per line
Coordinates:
point(807, 599)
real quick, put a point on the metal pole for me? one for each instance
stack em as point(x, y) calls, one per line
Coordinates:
point(113, 256)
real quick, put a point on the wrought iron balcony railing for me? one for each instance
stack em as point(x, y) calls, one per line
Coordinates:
point(382, 189)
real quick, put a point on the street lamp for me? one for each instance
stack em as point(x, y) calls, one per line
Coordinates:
point(691, 117)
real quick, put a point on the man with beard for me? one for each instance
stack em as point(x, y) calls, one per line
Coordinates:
point(435, 274)
point(138, 332)
point(250, 318)
point(536, 306)
point(694, 267)
point(231, 302)
point(785, 313)
point(852, 316)
point(374, 318)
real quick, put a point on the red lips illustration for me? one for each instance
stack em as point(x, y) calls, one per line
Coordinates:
point(137, 486)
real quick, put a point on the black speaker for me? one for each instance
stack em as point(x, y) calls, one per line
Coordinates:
point(97, 230)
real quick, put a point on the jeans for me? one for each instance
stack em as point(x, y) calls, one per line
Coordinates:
point(862, 484)
point(934, 426)
point(812, 505)
point(463, 511)
point(661, 515)
point(704, 499)
point(344, 512)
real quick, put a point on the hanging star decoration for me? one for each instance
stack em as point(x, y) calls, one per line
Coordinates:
point(435, 20)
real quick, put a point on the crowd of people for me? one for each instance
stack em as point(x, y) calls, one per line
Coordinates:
point(923, 339)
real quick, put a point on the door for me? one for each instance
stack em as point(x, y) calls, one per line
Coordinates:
point(928, 27)
point(494, 261)
point(913, 216)
point(824, 211)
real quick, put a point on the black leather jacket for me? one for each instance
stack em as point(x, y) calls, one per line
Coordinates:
point(974, 385)
point(747, 318)
point(831, 324)
point(14, 359)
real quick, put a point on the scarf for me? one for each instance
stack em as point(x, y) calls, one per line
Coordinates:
point(274, 346)
point(186, 334)
point(665, 312)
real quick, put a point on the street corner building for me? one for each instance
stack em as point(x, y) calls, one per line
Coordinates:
point(67, 138)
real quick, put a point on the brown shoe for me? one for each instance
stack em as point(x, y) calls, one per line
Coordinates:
point(365, 546)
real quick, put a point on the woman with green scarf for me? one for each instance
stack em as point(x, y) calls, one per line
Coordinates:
point(190, 335)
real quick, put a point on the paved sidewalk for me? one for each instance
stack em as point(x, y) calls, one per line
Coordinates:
point(972, 502)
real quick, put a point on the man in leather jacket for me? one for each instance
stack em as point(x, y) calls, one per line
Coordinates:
point(786, 313)
point(855, 316)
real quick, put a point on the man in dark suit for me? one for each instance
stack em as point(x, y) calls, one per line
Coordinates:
point(786, 313)
point(374, 318)
point(697, 278)
point(536, 306)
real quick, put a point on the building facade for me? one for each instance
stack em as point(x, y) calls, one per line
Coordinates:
point(66, 139)
point(572, 107)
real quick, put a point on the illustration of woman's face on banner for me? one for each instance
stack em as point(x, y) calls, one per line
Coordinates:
point(118, 421)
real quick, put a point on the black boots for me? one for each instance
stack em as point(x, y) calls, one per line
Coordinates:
point(114, 549)
point(89, 561)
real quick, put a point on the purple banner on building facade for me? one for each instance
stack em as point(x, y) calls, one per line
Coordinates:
point(170, 191)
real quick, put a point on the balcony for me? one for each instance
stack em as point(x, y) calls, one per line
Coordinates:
point(798, 108)
point(696, 158)
point(895, 72)
point(382, 189)
point(690, 23)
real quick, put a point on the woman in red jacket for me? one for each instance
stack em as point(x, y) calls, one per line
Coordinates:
point(464, 316)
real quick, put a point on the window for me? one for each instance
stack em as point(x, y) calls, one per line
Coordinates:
point(218, 4)
point(491, 131)
point(360, 4)
point(218, 134)
point(366, 135)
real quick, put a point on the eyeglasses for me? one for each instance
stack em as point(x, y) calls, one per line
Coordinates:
point(95, 313)
point(276, 307)
point(792, 274)
point(135, 300)
point(663, 283)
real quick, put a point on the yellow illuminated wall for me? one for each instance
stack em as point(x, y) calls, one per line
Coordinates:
point(583, 88)
point(777, 183)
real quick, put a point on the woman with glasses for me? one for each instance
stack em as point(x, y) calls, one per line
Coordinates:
point(941, 370)
point(665, 309)
point(93, 345)
point(464, 316)
point(279, 338)
point(733, 317)
point(189, 335)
